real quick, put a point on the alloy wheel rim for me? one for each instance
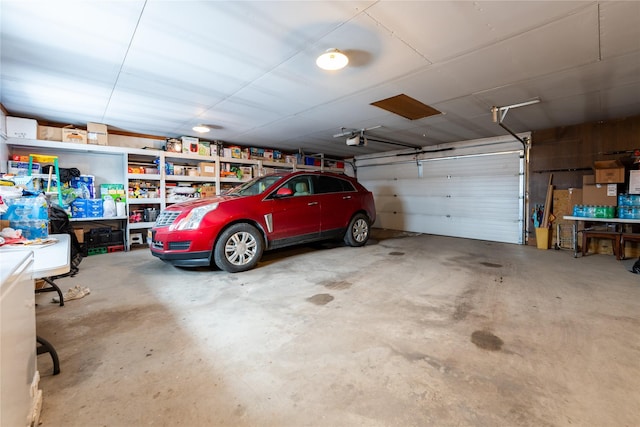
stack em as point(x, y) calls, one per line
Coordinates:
point(360, 230)
point(241, 248)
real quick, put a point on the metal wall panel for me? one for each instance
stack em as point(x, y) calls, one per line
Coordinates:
point(477, 196)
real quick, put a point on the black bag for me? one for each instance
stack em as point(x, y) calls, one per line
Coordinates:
point(636, 267)
point(65, 173)
point(59, 224)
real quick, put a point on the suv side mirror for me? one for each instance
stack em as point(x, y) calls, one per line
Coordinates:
point(283, 192)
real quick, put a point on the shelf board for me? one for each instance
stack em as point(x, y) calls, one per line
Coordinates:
point(282, 165)
point(139, 225)
point(41, 175)
point(184, 178)
point(239, 161)
point(188, 156)
point(65, 146)
point(143, 201)
point(144, 176)
point(234, 180)
point(102, 218)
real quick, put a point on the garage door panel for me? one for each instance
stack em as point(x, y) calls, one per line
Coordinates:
point(444, 187)
point(446, 226)
point(468, 168)
point(477, 196)
point(466, 207)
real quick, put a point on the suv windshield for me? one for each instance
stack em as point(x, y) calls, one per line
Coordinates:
point(255, 186)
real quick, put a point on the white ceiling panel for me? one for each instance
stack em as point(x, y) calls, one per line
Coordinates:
point(529, 54)
point(442, 30)
point(585, 80)
point(91, 30)
point(619, 28)
point(430, 85)
point(167, 91)
point(248, 68)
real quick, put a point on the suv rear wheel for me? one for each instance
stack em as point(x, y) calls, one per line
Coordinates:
point(358, 232)
point(239, 248)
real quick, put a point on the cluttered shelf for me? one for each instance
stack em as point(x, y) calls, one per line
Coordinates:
point(102, 218)
point(121, 184)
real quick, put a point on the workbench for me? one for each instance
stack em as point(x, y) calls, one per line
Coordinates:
point(577, 219)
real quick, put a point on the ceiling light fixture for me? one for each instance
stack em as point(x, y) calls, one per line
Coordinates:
point(332, 60)
point(201, 128)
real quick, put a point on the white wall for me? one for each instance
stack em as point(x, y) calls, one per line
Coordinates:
point(4, 150)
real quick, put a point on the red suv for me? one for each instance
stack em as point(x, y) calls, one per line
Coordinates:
point(273, 211)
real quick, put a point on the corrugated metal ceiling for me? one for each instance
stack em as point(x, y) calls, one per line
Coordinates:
point(161, 67)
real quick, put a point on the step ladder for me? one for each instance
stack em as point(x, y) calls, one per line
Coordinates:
point(41, 158)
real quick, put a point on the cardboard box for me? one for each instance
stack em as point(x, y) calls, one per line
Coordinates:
point(609, 171)
point(256, 153)
point(116, 191)
point(207, 169)
point(179, 170)
point(18, 127)
point(207, 191)
point(22, 168)
point(87, 208)
point(78, 136)
point(173, 145)
point(97, 134)
point(600, 194)
point(575, 196)
point(246, 173)
point(49, 133)
point(236, 152)
point(190, 144)
point(204, 148)
point(86, 184)
point(634, 182)
point(564, 201)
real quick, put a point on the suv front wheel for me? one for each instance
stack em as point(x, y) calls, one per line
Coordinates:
point(239, 248)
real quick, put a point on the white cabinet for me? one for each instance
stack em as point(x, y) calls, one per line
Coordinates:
point(19, 394)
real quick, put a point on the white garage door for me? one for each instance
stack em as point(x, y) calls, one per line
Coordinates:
point(477, 196)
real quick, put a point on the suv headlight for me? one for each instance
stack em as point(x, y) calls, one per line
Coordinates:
point(193, 219)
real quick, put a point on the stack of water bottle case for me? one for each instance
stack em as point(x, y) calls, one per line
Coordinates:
point(628, 208)
point(28, 214)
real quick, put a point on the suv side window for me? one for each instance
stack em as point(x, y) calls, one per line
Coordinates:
point(329, 184)
point(300, 185)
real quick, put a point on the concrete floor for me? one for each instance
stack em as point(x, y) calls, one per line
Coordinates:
point(411, 330)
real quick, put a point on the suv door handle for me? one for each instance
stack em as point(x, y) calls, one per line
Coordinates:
point(312, 203)
point(346, 197)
